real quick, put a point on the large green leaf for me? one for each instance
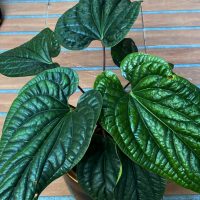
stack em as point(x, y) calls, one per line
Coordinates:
point(99, 169)
point(157, 124)
point(96, 20)
point(122, 49)
point(42, 137)
point(32, 57)
point(138, 184)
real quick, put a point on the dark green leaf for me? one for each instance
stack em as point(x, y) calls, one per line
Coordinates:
point(96, 20)
point(157, 125)
point(138, 184)
point(32, 57)
point(42, 137)
point(98, 171)
point(122, 49)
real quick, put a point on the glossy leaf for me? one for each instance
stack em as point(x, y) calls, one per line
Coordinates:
point(138, 184)
point(157, 124)
point(122, 49)
point(32, 57)
point(98, 171)
point(42, 137)
point(96, 20)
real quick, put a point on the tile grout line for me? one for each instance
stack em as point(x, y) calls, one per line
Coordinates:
point(173, 28)
point(16, 91)
point(144, 13)
point(141, 48)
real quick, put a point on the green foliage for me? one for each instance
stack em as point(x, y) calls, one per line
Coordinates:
point(138, 184)
point(107, 21)
point(156, 124)
point(42, 137)
point(159, 118)
point(99, 170)
point(32, 57)
point(105, 173)
point(122, 49)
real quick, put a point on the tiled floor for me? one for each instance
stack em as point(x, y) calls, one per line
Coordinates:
point(174, 197)
point(167, 28)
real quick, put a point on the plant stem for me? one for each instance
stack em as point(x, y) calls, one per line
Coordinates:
point(126, 85)
point(102, 130)
point(104, 58)
point(81, 89)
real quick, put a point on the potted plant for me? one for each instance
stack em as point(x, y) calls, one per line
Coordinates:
point(121, 142)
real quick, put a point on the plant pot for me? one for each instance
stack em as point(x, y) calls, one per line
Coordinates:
point(74, 187)
point(174, 189)
point(77, 191)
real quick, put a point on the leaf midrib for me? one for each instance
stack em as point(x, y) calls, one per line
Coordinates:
point(190, 119)
point(23, 124)
point(167, 127)
point(187, 117)
point(32, 83)
point(30, 161)
point(155, 143)
point(35, 53)
point(62, 124)
point(121, 138)
point(108, 25)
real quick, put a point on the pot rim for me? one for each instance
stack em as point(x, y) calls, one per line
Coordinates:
point(72, 175)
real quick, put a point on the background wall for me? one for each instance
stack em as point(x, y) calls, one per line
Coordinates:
point(167, 28)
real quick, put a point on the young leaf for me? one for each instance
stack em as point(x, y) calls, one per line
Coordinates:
point(98, 171)
point(32, 57)
point(42, 138)
point(96, 20)
point(122, 49)
point(157, 125)
point(136, 183)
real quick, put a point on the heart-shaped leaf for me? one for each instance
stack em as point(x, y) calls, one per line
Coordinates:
point(122, 49)
point(42, 137)
point(136, 183)
point(32, 57)
point(96, 20)
point(99, 169)
point(157, 124)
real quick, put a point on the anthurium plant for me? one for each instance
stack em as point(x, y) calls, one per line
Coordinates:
point(122, 141)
